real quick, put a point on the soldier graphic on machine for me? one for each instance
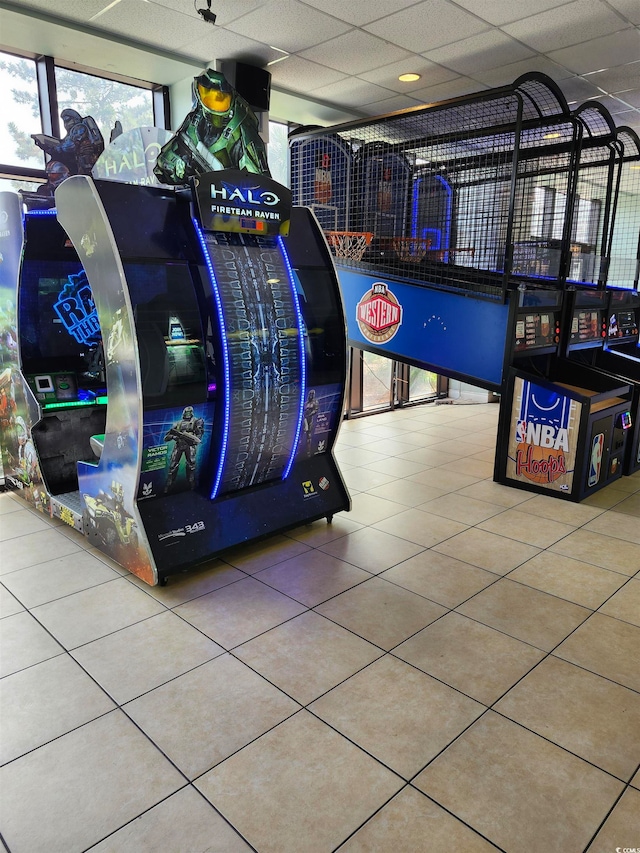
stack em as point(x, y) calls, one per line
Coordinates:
point(79, 149)
point(187, 434)
point(220, 132)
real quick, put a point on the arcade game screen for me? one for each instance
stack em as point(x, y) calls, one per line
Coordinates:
point(59, 328)
point(169, 331)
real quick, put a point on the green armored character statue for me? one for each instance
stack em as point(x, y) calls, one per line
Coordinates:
point(220, 132)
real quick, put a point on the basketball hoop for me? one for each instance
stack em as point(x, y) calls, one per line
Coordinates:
point(349, 245)
point(410, 249)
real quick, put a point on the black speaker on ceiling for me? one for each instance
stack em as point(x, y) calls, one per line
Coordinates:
point(253, 83)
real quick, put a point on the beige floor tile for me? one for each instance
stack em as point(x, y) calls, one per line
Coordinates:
point(460, 447)
point(192, 584)
point(605, 498)
point(432, 456)
point(586, 714)
point(518, 790)
point(312, 577)
point(472, 467)
point(606, 646)
point(83, 786)
point(401, 716)
point(397, 467)
point(44, 702)
point(96, 612)
point(367, 509)
point(636, 780)
point(141, 657)
point(487, 455)
point(630, 506)
point(600, 550)
point(57, 578)
point(406, 492)
point(260, 555)
point(519, 525)
point(239, 611)
point(622, 828)
point(310, 804)
point(35, 548)
point(420, 527)
point(459, 508)
point(373, 549)
point(572, 580)
point(487, 550)
point(495, 493)
point(9, 605)
point(355, 456)
point(307, 656)
point(24, 642)
point(9, 504)
point(21, 523)
point(441, 578)
point(524, 613)
point(358, 439)
point(473, 658)
point(565, 512)
point(184, 822)
point(616, 524)
point(625, 604)
point(363, 479)
point(203, 716)
point(381, 612)
point(320, 532)
point(405, 824)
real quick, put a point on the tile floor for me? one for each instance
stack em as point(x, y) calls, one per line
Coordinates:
point(452, 665)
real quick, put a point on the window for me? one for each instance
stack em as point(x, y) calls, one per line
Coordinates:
point(20, 116)
point(278, 152)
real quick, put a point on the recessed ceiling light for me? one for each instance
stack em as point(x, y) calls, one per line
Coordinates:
point(411, 77)
point(551, 136)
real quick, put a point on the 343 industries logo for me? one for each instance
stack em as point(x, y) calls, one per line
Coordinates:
point(379, 314)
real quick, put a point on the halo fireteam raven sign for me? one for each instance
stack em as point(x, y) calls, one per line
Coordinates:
point(242, 202)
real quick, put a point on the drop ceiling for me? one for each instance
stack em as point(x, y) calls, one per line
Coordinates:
point(348, 54)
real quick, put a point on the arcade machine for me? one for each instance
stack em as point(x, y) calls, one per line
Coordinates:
point(563, 426)
point(175, 373)
point(321, 175)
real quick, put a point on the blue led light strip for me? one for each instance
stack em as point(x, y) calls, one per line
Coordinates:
point(303, 361)
point(51, 211)
point(226, 404)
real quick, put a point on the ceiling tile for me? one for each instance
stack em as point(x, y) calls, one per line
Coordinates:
point(289, 25)
point(360, 12)
point(629, 8)
point(618, 79)
point(300, 75)
point(600, 53)
point(354, 52)
point(480, 53)
point(453, 89)
point(219, 43)
point(614, 105)
point(387, 76)
point(426, 25)
point(353, 92)
point(578, 89)
point(508, 73)
point(631, 97)
point(500, 12)
point(225, 12)
point(74, 10)
point(391, 105)
point(155, 25)
point(569, 24)
point(629, 119)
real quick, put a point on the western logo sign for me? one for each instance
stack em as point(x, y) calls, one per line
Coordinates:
point(379, 314)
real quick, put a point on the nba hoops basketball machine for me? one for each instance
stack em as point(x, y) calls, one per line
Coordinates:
point(174, 353)
point(493, 238)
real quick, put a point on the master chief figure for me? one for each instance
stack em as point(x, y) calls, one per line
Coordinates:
point(80, 148)
point(220, 132)
point(187, 434)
